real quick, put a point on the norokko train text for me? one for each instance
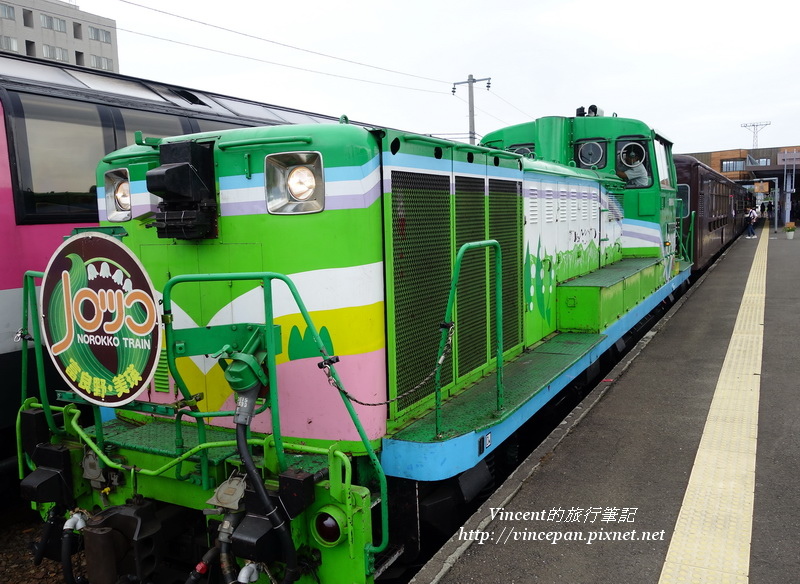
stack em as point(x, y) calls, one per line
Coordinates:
point(295, 350)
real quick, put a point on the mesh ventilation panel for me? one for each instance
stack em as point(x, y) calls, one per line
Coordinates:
point(421, 254)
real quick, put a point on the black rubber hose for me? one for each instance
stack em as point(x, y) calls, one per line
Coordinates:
point(277, 522)
point(227, 564)
point(53, 517)
point(209, 559)
point(66, 556)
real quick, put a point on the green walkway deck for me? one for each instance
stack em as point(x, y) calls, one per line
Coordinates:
point(476, 407)
point(159, 435)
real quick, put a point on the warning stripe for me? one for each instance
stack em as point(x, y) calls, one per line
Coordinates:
point(711, 542)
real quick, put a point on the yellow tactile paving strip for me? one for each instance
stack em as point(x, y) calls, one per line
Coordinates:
point(711, 542)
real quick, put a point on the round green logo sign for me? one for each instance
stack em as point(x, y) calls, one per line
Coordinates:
point(100, 319)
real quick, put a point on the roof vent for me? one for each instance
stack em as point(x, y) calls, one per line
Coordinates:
point(189, 96)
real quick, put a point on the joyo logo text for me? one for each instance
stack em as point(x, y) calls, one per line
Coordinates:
point(100, 319)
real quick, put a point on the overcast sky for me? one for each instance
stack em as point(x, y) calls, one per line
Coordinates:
point(696, 70)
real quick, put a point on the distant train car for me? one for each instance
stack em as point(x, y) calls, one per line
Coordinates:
point(719, 206)
point(356, 325)
point(58, 121)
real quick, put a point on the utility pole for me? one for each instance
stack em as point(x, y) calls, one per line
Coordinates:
point(755, 127)
point(470, 82)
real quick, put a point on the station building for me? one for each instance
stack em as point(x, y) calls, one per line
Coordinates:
point(769, 171)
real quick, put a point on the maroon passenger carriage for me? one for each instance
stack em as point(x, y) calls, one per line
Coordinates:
point(718, 203)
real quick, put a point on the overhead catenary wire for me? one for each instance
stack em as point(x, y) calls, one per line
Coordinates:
point(278, 43)
point(483, 111)
point(512, 105)
point(267, 62)
point(295, 67)
point(312, 52)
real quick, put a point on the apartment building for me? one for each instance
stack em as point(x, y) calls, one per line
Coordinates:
point(60, 31)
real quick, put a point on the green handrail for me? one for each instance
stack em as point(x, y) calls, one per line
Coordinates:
point(266, 279)
point(72, 414)
point(686, 236)
point(498, 291)
point(29, 300)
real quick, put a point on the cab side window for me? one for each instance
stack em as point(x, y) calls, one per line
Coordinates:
point(633, 164)
point(591, 153)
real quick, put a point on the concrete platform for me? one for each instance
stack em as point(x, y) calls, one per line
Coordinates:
point(683, 466)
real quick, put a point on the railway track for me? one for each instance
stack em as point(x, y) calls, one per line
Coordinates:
point(18, 530)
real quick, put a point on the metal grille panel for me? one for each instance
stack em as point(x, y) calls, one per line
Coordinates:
point(533, 203)
point(563, 202)
point(471, 311)
point(549, 205)
point(421, 256)
point(423, 247)
point(616, 208)
point(505, 212)
point(161, 379)
point(574, 198)
point(585, 204)
point(158, 437)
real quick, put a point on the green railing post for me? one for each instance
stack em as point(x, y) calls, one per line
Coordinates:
point(29, 300)
point(686, 238)
point(498, 291)
point(266, 279)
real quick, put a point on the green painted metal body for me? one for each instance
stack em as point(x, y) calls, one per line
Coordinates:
point(152, 455)
point(371, 277)
point(593, 302)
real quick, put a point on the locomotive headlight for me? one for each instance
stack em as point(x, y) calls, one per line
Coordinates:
point(295, 183)
point(329, 526)
point(301, 183)
point(122, 195)
point(118, 195)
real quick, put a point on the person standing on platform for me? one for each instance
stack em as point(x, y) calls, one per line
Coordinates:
point(750, 221)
